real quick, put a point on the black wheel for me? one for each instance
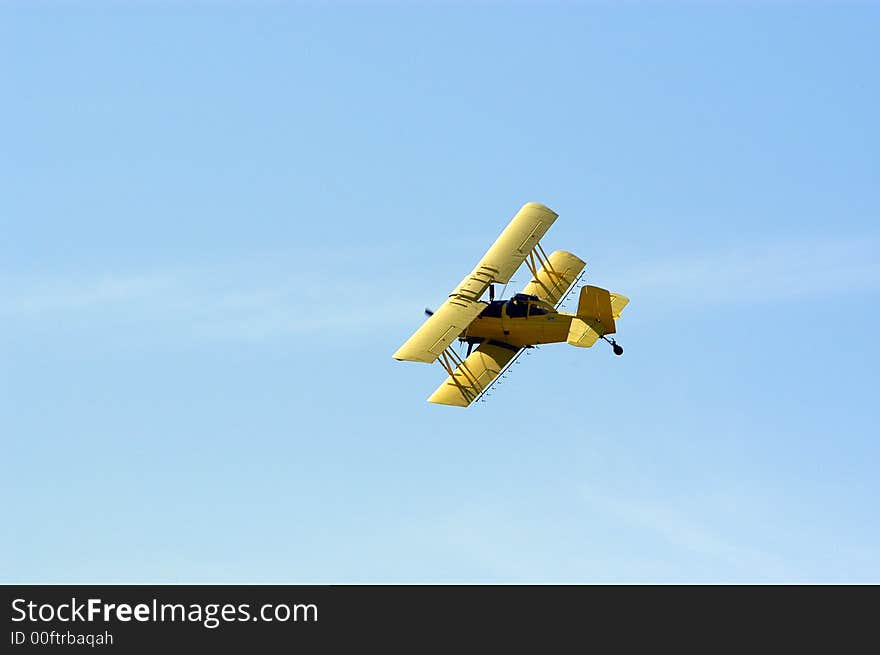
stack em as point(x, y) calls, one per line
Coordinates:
point(618, 350)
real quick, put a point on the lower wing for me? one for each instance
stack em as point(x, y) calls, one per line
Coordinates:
point(474, 375)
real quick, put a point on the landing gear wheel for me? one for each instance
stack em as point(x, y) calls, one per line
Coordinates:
point(616, 347)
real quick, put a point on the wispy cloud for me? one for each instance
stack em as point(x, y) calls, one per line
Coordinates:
point(34, 297)
point(245, 300)
point(266, 296)
point(760, 273)
point(683, 530)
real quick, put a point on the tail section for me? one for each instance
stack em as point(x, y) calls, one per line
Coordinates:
point(618, 302)
point(596, 313)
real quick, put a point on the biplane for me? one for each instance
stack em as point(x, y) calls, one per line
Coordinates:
point(502, 329)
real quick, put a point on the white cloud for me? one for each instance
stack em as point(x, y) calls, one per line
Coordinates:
point(279, 294)
point(757, 274)
point(682, 530)
point(239, 300)
point(45, 296)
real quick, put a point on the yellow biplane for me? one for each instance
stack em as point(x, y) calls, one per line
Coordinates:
point(502, 329)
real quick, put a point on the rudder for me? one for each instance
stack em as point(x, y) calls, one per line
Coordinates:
point(595, 317)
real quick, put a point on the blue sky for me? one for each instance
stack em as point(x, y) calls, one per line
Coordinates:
point(219, 219)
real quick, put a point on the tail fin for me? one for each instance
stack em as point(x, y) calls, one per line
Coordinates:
point(596, 312)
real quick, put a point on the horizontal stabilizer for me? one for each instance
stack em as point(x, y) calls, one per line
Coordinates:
point(618, 302)
point(582, 334)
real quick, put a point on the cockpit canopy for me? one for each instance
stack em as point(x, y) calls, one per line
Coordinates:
point(494, 309)
point(520, 305)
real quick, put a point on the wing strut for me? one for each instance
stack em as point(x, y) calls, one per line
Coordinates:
point(553, 276)
point(538, 259)
point(452, 362)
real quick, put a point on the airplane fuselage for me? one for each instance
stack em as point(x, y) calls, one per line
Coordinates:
point(520, 322)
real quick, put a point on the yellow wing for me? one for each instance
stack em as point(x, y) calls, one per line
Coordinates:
point(473, 375)
point(555, 277)
point(497, 265)
point(439, 331)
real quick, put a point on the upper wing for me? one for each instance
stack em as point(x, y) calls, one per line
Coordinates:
point(555, 277)
point(497, 265)
point(473, 375)
point(510, 249)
